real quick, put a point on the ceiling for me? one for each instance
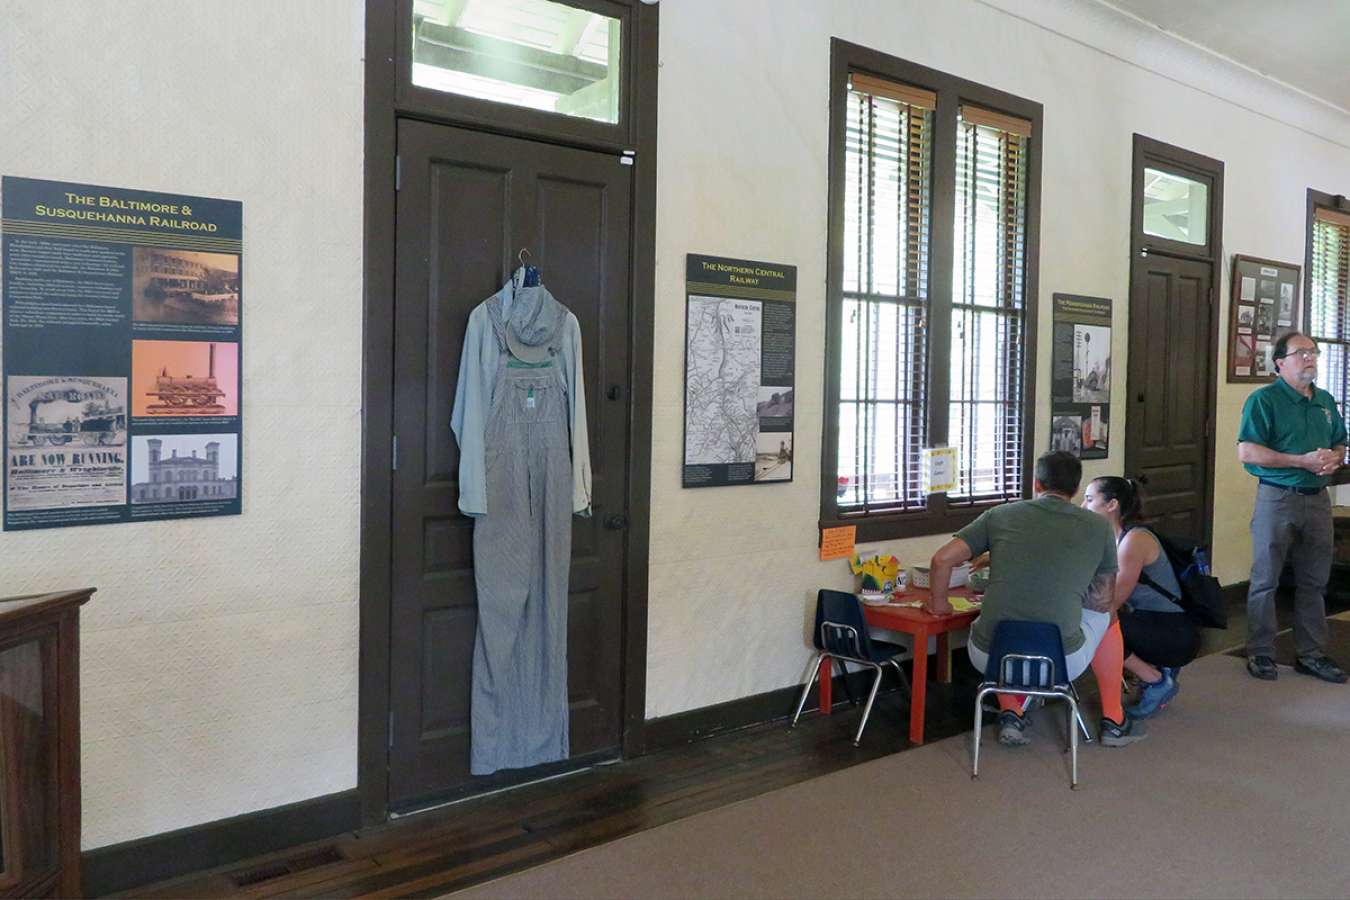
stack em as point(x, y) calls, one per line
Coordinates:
point(1302, 43)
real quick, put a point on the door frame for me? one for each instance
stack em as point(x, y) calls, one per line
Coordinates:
point(1148, 150)
point(382, 111)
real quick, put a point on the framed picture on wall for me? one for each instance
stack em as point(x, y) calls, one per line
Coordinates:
point(1265, 304)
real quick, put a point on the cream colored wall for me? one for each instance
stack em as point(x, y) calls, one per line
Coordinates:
point(744, 110)
point(219, 656)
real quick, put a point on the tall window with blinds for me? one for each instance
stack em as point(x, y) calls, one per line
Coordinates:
point(1328, 296)
point(985, 418)
point(882, 423)
point(930, 328)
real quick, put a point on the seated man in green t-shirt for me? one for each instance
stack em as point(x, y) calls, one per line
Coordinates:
point(1049, 561)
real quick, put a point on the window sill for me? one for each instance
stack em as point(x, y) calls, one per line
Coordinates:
point(938, 518)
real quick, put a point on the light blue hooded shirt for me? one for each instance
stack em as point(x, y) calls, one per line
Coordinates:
point(482, 356)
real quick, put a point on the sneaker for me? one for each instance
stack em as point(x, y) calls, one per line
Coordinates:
point(1122, 735)
point(1012, 729)
point(1262, 667)
point(1320, 667)
point(1154, 696)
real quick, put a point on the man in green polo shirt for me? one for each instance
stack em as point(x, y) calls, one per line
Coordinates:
point(1292, 438)
point(1049, 561)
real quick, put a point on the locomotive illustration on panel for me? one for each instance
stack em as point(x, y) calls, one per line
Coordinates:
point(73, 416)
point(187, 395)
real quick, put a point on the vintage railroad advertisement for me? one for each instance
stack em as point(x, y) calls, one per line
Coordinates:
point(122, 332)
point(740, 368)
point(66, 443)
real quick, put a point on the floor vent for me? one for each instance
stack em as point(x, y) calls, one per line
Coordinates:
point(268, 871)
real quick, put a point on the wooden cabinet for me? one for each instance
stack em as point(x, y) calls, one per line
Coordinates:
point(40, 745)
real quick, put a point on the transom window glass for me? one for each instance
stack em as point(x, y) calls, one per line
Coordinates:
point(1328, 297)
point(1176, 207)
point(532, 53)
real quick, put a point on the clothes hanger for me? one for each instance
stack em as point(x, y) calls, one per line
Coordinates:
point(531, 278)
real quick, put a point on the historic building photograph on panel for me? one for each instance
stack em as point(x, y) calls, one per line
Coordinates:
point(185, 286)
point(184, 467)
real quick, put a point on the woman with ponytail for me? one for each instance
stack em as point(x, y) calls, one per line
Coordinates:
point(1158, 637)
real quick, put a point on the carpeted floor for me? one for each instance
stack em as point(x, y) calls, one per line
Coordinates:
point(1239, 791)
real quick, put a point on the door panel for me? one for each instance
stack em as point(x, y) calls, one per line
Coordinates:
point(468, 204)
point(1166, 446)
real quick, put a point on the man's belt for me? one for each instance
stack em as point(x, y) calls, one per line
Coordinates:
point(1305, 491)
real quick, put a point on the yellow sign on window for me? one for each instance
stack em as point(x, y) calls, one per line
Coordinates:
point(939, 469)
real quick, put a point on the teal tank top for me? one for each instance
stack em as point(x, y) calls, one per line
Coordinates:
point(1144, 598)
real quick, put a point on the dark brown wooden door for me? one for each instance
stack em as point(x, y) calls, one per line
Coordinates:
point(468, 202)
point(1167, 446)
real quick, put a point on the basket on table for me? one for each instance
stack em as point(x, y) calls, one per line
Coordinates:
point(918, 576)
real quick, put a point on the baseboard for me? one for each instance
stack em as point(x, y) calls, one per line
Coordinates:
point(692, 725)
point(132, 864)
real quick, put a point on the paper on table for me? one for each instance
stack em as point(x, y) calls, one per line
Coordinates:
point(961, 604)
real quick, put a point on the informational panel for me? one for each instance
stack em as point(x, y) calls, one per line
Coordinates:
point(121, 357)
point(739, 371)
point(1080, 380)
point(1265, 305)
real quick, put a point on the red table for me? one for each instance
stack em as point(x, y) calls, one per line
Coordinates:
point(921, 625)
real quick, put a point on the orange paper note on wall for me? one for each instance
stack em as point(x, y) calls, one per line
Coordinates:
point(837, 543)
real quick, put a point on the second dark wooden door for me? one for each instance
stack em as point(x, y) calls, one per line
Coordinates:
point(467, 204)
point(1167, 445)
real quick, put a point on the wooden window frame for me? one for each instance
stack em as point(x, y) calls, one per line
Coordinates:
point(938, 516)
point(1152, 154)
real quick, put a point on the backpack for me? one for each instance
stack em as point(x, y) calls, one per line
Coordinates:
point(1201, 596)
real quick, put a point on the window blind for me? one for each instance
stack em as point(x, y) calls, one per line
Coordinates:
point(883, 389)
point(986, 406)
point(1329, 286)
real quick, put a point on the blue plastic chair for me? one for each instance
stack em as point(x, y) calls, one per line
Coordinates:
point(841, 634)
point(1027, 658)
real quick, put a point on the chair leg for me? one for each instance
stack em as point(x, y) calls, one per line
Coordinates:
point(867, 710)
point(1087, 735)
point(904, 679)
point(1073, 745)
point(806, 688)
point(975, 735)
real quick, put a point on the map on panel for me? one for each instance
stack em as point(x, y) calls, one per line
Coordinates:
point(723, 351)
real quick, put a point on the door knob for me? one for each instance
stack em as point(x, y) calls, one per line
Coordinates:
point(616, 522)
point(1142, 479)
point(614, 392)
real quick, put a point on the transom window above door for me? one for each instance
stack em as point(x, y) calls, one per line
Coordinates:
point(532, 53)
point(1175, 207)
